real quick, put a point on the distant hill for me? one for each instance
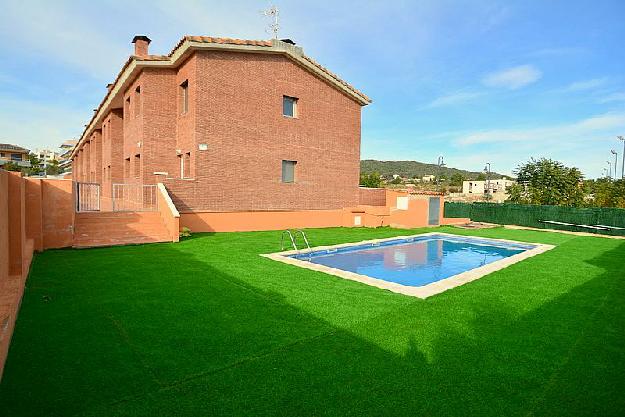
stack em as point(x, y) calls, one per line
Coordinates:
point(412, 169)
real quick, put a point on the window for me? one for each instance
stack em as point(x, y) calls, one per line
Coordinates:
point(289, 106)
point(137, 101)
point(288, 171)
point(127, 107)
point(186, 172)
point(138, 166)
point(16, 156)
point(184, 97)
point(127, 168)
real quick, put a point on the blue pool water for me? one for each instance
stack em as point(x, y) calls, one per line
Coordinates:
point(415, 261)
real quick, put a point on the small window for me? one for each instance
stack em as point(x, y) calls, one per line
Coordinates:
point(181, 164)
point(289, 106)
point(138, 166)
point(137, 101)
point(127, 107)
point(288, 171)
point(127, 167)
point(184, 97)
point(186, 172)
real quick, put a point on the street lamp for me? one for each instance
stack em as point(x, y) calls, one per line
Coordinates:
point(613, 152)
point(440, 164)
point(623, 162)
point(487, 170)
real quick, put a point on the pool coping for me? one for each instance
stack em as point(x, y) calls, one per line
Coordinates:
point(424, 291)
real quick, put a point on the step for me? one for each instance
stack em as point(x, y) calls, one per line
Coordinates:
point(90, 243)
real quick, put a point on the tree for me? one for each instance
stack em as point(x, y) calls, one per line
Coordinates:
point(11, 166)
point(371, 180)
point(456, 179)
point(397, 180)
point(608, 193)
point(53, 168)
point(481, 177)
point(547, 182)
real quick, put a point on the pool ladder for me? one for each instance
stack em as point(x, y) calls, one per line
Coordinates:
point(293, 237)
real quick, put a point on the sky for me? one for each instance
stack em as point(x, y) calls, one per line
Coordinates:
point(475, 81)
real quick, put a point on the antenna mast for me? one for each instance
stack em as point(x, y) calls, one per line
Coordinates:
point(274, 27)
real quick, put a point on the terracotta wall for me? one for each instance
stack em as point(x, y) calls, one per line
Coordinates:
point(58, 214)
point(260, 220)
point(4, 227)
point(35, 214)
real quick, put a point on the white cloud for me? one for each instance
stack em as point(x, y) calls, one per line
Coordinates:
point(513, 78)
point(613, 97)
point(603, 124)
point(454, 98)
point(586, 84)
point(61, 34)
point(33, 125)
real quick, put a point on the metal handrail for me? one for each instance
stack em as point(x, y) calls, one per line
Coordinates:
point(301, 232)
point(287, 231)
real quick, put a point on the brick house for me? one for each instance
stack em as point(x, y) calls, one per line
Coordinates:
point(243, 134)
point(228, 125)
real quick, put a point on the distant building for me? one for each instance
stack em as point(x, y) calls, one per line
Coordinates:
point(46, 157)
point(496, 188)
point(428, 178)
point(13, 153)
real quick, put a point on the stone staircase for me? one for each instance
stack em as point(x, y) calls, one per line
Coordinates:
point(118, 228)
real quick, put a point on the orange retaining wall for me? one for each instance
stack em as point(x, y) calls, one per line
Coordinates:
point(35, 214)
point(260, 220)
point(416, 215)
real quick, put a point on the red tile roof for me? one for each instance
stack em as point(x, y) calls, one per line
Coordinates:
point(224, 41)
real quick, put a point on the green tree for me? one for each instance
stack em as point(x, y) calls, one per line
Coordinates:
point(608, 193)
point(11, 166)
point(456, 179)
point(371, 180)
point(547, 182)
point(396, 180)
point(53, 168)
point(481, 177)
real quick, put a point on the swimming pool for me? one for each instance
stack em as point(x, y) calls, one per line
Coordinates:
point(420, 265)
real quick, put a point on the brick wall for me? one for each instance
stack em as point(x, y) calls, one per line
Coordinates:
point(236, 102)
point(373, 196)
point(235, 111)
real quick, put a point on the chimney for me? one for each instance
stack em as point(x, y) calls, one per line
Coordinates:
point(141, 45)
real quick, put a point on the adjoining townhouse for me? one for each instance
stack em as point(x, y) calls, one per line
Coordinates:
point(231, 127)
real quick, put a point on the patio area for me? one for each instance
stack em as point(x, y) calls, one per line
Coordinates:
point(208, 327)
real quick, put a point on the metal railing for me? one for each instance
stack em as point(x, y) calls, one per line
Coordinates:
point(293, 239)
point(87, 196)
point(134, 197)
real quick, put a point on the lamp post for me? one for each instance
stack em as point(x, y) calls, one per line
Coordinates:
point(487, 170)
point(440, 164)
point(613, 152)
point(622, 138)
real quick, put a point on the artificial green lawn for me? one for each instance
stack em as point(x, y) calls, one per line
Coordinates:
point(208, 327)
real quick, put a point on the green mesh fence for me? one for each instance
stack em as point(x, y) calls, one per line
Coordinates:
point(526, 215)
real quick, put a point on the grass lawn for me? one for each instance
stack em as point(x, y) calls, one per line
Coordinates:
point(208, 327)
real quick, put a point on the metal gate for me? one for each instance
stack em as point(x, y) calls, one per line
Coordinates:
point(135, 197)
point(87, 196)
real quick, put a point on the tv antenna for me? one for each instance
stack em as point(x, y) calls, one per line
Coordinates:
point(274, 14)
